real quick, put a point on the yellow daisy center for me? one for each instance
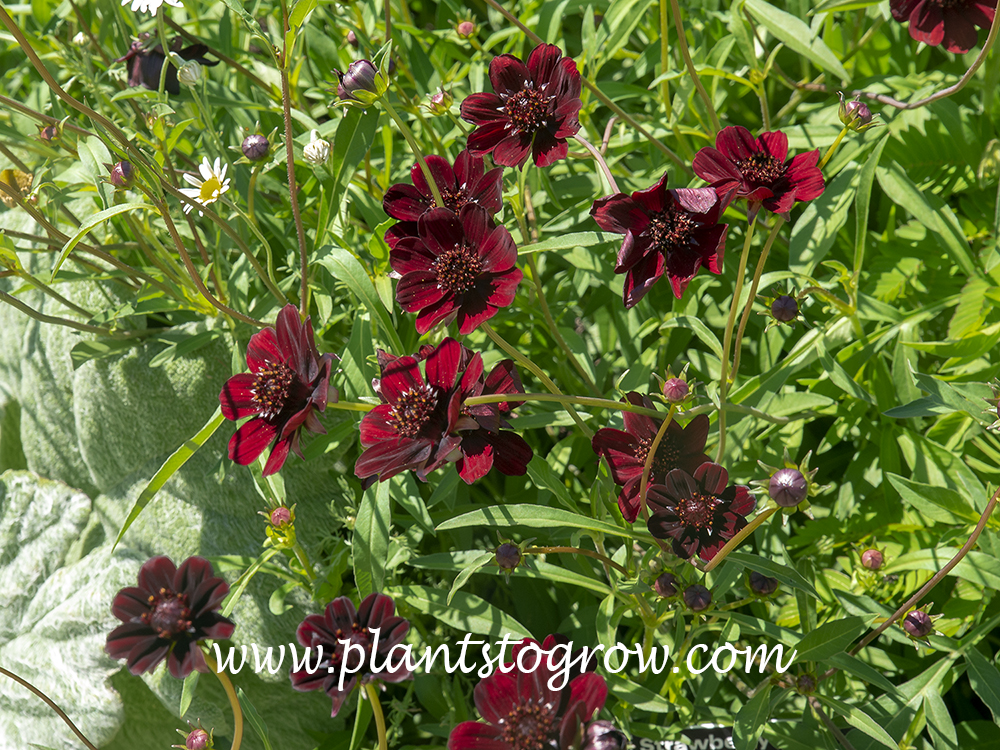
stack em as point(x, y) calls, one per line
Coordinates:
point(210, 189)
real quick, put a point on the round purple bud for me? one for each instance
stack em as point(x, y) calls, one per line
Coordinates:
point(465, 29)
point(666, 585)
point(198, 740)
point(762, 585)
point(918, 624)
point(603, 735)
point(784, 309)
point(788, 487)
point(360, 77)
point(255, 147)
point(872, 559)
point(508, 556)
point(49, 133)
point(697, 598)
point(675, 390)
point(122, 174)
point(281, 516)
point(352, 39)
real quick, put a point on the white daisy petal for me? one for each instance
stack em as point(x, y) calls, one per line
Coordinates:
point(206, 169)
point(191, 180)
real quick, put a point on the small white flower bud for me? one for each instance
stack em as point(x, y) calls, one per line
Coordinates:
point(190, 73)
point(80, 39)
point(317, 151)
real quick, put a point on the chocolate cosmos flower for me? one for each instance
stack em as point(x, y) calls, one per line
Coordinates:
point(699, 513)
point(341, 621)
point(147, 62)
point(673, 232)
point(950, 23)
point(757, 170)
point(467, 182)
point(626, 452)
point(523, 713)
point(288, 382)
point(533, 109)
point(457, 266)
point(167, 614)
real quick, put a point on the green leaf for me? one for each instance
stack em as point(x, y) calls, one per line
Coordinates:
point(371, 539)
point(831, 638)
point(985, 680)
point(939, 722)
point(700, 330)
point(241, 583)
point(187, 693)
point(797, 36)
point(466, 613)
point(346, 268)
point(300, 11)
point(860, 721)
point(750, 721)
point(637, 696)
point(89, 224)
point(465, 574)
point(976, 567)
point(177, 459)
point(862, 202)
point(569, 241)
point(354, 137)
point(532, 516)
point(937, 503)
point(253, 718)
point(536, 569)
point(788, 576)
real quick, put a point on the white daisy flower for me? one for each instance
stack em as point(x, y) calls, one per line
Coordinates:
point(150, 6)
point(208, 189)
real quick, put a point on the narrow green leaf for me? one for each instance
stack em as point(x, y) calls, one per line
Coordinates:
point(985, 680)
point(788, 576)
point(569, 241)
point(466, 573)
point(229, 603)
point(300, 11)
point(862, 202)
point(89, 224)
point(975, 567)
point(860, 721)
point(702, 331)
point(467, 613)
point(371, 539)
point(187, 692)
point(177, 459)
point(637, 696)
point(831, 638)
point(253, 718)
point(532, 516)
point(750, 721)
point(937, 503)
point(355, 135)
point(797, 36)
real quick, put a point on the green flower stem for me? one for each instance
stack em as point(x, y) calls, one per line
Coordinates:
point(738, 539)
point(51, 704)
point(648, 464)
point(372, 692)
point(349, 406)
point(293, 191)
point(206, 117)
point(303, 558)
point(40, 285)
point(664, 58)
point(728, 337)
point(567, 401)
point(234, 701)
point(753, 292)
point(161, 29)
point(559, 398)
point(577, 551)
point(600, 162)
point(833, 147)
point(251, 191)
point(686, 54)
point(266, 276)
point(417, 153)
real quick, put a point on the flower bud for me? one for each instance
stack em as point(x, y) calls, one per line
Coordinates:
point(697, 598)
point(854, 114)
point(784, 309)
point(603, 735)
point(788, 487)
point(122, 174)
point(466, 29)
point(361, 83)
point(675, 390)
point(918, 624)
point(256, 147)
point(49, 133)
point(440, 102)
point(762, 585)
point(80, 39)
point(190, 73)
point(508, 556)
point(805, 684)
point(198, 740)
point(872, 559)
point(666, 585)
point(317, 151)
point(352, 39)
point(280, 516)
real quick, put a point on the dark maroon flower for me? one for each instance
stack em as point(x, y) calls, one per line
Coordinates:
point(166, 616)
point(788, 487)
point(341, 621)
point(756, 169)
point(784, 309)
point(950, 23)
point(699, 513)
point(147, 62)
point(626, 452)
point(288, 382)
point(420, 426)
point(523, 712)
point(466, 182)
point(697, 598)
point(533, 109)
point(672, 232)
point(872, 559)
point(458, 266)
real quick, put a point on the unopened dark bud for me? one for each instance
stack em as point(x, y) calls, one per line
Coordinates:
point(784, 309)
point(49, 133)
point(872, 559)
point(918, 624)
point(281, 516)
point(360, 82)
point(788, 487)
point(806, 684)
point(352, 39)
point(122, 174)
point(465, 29)
point(855, 114)
point(762, 585)
point(440, 102)
point(666, 585)
point(198, 740)
point(675, 390)
point(697, 598)
point(255, 147)
point(603, 735)
point(508, 556)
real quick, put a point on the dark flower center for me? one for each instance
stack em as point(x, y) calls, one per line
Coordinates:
point(271, 386)
point(528, 727)
point(454, 199)
point(528, 110)
point(697, 511)
point(671, 229)
point(457, 268)
point(412, 410)
point(170, 616)
point(667, 455)
point(761, 168)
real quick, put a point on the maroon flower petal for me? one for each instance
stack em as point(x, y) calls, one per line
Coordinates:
point(736, 143)
point(775, 143)
point(498, 251)
point(543, 62)
point(487, 191)
point(713, 166)
point(477, 457)
point(592, 690)
point(508, 75)
point(619, 213)
point(398, 377)
point(405, 202)
point(486, 137)
point(263, 348)
point(236, 398)
point(277, 458)
point(547, 149)
point(387, 459)
point(441, 171)
point(927, 24)
point(474, 735)
point(712, 477)
point(409, 255)
point(250, 440)
point(483, 108)
point(504, 288)
point(440, 230)
point(513, 150)
point(442, 364)
point(418, 290)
